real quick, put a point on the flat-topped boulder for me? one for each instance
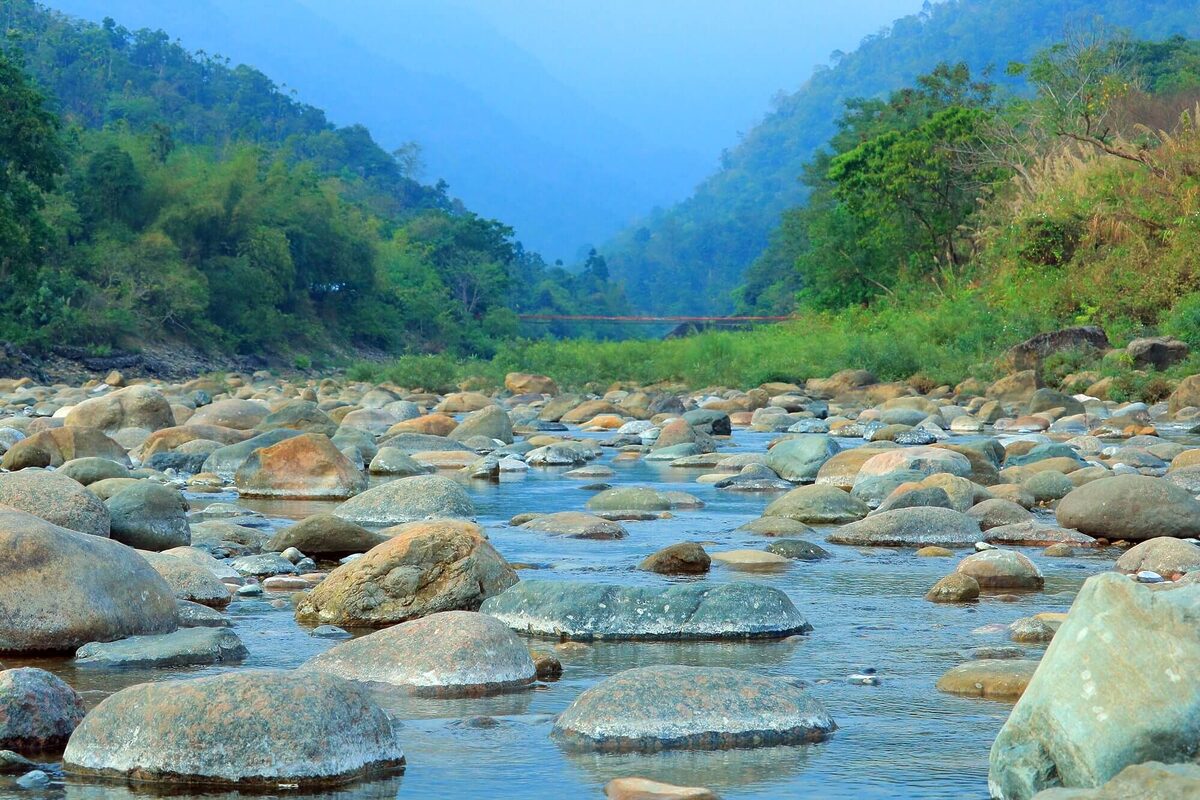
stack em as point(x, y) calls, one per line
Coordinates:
point(910, 527)
point(245, 729)
point(60, 589)
point(193, 646)
point(447, 654)
point(994, 678)
point(576, 525)
point(585, 611)
point(408, 500)
point(691, 708)
point(423, 568)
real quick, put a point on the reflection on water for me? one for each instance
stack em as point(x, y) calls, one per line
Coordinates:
point(901, 739)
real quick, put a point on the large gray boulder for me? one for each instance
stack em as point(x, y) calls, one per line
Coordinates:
point(910, 527)
point(1133, 507)
point(819, 504)
point(408, 500)
point(448, 654)
point(190, 580)
point(798, 459)
point(149, 516)
point(60, 589)
point(244, 729)
point(1116, 687)
point(691, 708)
point(185, 647)
point(56, 499)
point(586, 611)
point(492, 422)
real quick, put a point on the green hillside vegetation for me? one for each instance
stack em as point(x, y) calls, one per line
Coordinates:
point(155, 193)
point(947, 226)
point(690, 257)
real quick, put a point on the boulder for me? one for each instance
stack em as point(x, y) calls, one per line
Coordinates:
point(239, 729)
point(491, 422)
point(910, 527)
point(38, 710)
point(1133, 507)
point(1048, 399)
point(56, 499)
point(407, 500)
point(325, 535)
point(1165, 555)
point(1186, 394)
point(305, 467)
point(645, 789)
point(690, 708)
point(997, 511)
point(1017, 388)
point(242, 415)
point(60, 589)
point(133, 407)
point(424, 568)
point(954, 588)
point(525, 383)
point(186, 647)
point(925, 460)
point(1001, 569)
point(683, 558)
point(629, 498)
point(57, 446)
point(1156, 352)
point(90, 469)
point(583, 611)
point(299, 415)
point(188, 579)
point(1029, 354)
point(395, 462)
point(576, 525)
point(447, 654)
point(149, 516)
point(1114, 689)
point(1152, 780)
point(797, 549)
point(818, 505)
point(1036, 534)
point(800, 459)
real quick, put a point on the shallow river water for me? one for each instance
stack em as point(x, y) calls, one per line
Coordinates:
point(900, 739)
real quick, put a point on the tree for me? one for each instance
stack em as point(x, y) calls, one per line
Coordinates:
point(30, 158)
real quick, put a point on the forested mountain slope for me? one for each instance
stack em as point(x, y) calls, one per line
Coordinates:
point(692, 257)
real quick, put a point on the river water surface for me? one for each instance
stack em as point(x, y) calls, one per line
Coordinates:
point(900, 739)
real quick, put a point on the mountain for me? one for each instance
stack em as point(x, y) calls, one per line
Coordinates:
point(557, 169)
point(692, 256)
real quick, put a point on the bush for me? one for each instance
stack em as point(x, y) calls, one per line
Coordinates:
point(1183, 321)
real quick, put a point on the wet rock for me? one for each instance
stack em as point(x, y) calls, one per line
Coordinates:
point(225, 461)
point(954, 588)
point(910, 527)
point(1152, 780)
point(1002, 569)
point(797, 549)
point(149, 516)
point(693, 708)
point(299, 415)
point(38, 710)
point(817, 505)
point(491, 422)
point(62, 589)
point(395, 462)
point(1031, 630)
point(547, 665)
point(183, 648)
point(14, 764)
point(447, 654)
point(1082, 720)
point(252, 728)
point(263, 565)
point(684, 558)
point(629, 498)
point(305, 467)
point(408, 500)
point(1036, 534)
point(587, 611)
point(325, 535)
point(996, 679)
point(932, 551)
point(750, 560)
point(424, 568)
point(56, 499)
point(776, 526)
point(576, 525)
point(194, 615)
point(1048, 485)
point(58, 446)
point(91, 469)
point(1133, 507)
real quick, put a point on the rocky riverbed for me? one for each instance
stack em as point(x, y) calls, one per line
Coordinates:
point(844, 589)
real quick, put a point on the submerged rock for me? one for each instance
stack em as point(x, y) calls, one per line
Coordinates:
point(185, 647)
point(241, 729)
point(585, 611)
point(691, 708)
point(996, 679)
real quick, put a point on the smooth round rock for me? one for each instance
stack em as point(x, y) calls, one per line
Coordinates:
point(683, 558)
point(56, 499)
point(910, 527)
point(240, 729)
point(576, 525)
point(954, 588)
point(1002, 569)
point(998, 679)
point(408, 500)
point(449, 654)
point(797, 549)
point(692, 708)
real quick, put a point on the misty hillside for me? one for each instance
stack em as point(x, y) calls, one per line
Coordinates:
point(561, 172)
point(692, 256)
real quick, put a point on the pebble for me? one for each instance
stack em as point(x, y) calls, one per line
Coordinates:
point(1146, 576)
point(250, 590)
point(34, 779)
point(981, 546)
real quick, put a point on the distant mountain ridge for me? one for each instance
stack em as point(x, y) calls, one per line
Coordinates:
point(521, 167)
point(690, 257)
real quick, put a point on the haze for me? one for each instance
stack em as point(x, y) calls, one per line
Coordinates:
point(565, 120)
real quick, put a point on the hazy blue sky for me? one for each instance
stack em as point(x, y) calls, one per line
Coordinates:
point(686, 71)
